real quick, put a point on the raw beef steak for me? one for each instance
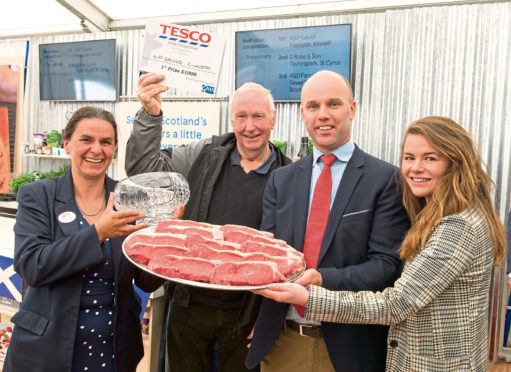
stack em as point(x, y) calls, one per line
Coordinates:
point(229, 255)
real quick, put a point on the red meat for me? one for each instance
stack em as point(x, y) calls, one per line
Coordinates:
point(246, 273)
point(155, 239)
point(190, 268)
point(241, 237)
point(247, 230)
point(206, 252)
point(227, 255)
point(142, 253)
point(193, 239)
point(185, 230)
point(183, 223)
point(256, 247)
point(270, 249)
point(287, 265)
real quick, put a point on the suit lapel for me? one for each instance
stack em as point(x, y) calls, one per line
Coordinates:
point(349, 180)
point(65, 206)
point(301, 206)
point(115, 243)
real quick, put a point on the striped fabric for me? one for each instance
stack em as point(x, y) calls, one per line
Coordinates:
point(437, 310)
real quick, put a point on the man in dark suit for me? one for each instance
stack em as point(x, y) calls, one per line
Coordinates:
point(366, 224)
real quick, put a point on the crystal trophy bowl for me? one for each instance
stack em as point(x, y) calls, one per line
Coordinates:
point(156, 194)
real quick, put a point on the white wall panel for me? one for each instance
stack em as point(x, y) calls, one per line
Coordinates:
point(450, 60)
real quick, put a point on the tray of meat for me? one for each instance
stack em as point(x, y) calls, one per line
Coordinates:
point(228, 257)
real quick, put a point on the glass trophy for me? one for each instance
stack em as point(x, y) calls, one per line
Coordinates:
point(156, 194)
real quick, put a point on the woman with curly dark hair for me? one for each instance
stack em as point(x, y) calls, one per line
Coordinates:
point(80, 311)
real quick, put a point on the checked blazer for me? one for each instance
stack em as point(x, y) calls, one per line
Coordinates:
point(438, 308)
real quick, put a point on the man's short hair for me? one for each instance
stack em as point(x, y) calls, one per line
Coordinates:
point(254, 87)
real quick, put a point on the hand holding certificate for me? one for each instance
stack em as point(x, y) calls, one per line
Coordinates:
point(189, 58)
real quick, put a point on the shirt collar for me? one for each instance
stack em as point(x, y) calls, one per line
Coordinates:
point(342, 153)
point(235, 159)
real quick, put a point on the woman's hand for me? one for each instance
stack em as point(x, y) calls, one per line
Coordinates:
point(113, 224)
point(291, 293)
point(149, 92)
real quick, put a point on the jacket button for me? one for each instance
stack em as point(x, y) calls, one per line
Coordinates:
point(393, 343)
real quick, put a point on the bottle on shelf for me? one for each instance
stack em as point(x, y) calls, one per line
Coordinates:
point(304, 148)
point(46, 149)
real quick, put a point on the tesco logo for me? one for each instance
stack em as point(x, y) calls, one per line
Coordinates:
point(186, 36)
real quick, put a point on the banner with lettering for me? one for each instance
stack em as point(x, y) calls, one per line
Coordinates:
point(190, 58)
point(182, 123)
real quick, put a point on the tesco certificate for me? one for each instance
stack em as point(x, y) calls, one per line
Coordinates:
point(190, 58)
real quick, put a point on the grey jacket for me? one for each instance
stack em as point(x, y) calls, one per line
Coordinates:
point(201, 163)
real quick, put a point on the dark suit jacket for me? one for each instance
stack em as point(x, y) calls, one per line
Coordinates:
point(50, 255)
point(366, 225)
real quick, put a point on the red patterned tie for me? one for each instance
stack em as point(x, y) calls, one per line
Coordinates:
point(318, 217)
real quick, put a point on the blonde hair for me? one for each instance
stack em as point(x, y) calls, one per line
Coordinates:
point(465, 184)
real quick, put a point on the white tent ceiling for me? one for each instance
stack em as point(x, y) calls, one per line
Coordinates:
point(25, 18)
point(22, 17)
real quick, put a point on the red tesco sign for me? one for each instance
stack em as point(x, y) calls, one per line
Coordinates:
point(185, 33)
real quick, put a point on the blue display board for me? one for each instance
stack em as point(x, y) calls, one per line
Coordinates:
point(282, 59)
point(10, 281)
point(80, 71)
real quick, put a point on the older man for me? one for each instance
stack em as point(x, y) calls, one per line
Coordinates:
point(349, 241)
point(227, 175)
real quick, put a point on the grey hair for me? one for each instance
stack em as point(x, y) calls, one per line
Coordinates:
point(254, 87)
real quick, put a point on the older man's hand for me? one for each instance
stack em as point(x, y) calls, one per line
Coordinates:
point(149, 92)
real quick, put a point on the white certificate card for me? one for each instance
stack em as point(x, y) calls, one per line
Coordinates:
point(190, 58)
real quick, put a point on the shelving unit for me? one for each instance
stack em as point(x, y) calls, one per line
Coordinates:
point(43, 156)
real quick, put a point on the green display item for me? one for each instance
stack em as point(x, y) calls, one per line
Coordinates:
point(26, 178)
point(282, 145)
point(53, 138)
